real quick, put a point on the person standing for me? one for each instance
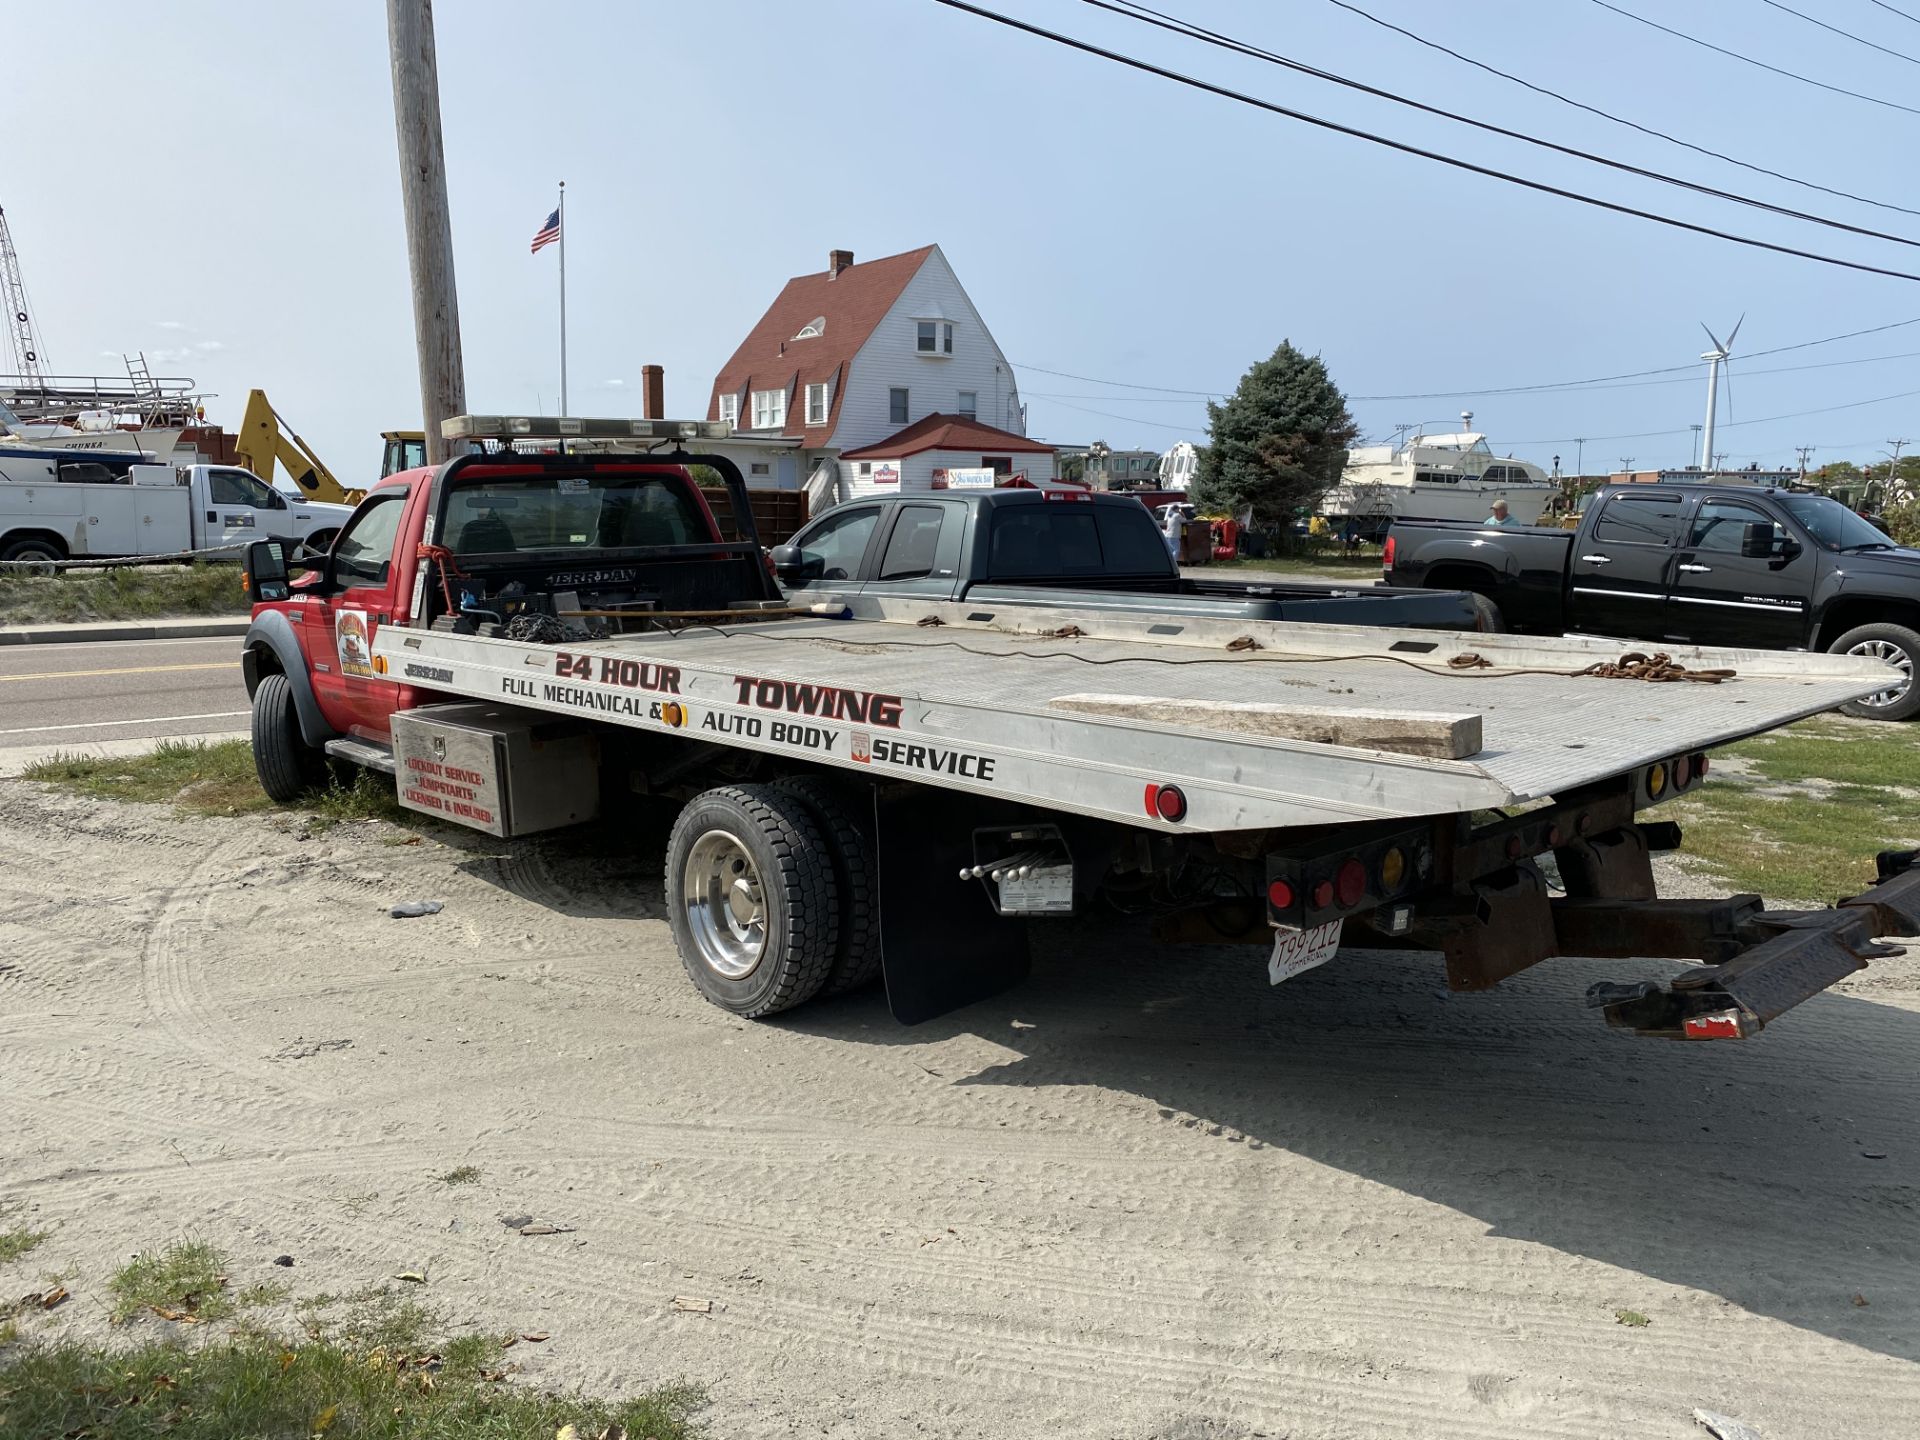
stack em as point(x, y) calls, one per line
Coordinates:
point(1499, 515)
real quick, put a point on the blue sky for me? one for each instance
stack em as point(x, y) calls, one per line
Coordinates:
point(216, 183)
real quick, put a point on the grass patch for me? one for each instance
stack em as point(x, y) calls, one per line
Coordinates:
point(129, 593)
point(214, 778)
point(461, 1175)
point(1813, 842)
point(19, 1241)
point(378, 1374)
point(209, 779)
point(186, 1280)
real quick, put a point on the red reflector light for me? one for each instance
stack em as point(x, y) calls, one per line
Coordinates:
point(1700, 766)
point(1515, 848)
point(1386, 554)
point(1553, 837)
point(1170, 803)
point(1682, 773)
point(1323, 895)
point(1352, 882)
point(1280, 895)
point(1721, 1025)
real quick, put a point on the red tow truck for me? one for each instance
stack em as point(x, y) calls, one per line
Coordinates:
point(875, 783)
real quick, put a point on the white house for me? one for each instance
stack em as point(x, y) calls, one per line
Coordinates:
point(857, 355)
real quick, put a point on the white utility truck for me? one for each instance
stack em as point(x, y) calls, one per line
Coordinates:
point(90, 504)
point(884, 784)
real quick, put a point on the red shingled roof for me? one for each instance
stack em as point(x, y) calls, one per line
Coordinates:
point(853, 302)
point(947, 432)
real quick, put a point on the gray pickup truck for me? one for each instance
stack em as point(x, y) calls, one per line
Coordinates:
point(1016, 546)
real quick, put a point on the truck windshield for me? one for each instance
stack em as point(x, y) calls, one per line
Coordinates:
point(509, 515)
point(1831, 523)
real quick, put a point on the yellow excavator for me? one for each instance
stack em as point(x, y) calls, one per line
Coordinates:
point(265, 439)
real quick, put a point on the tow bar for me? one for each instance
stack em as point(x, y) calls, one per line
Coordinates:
point(1765, 963)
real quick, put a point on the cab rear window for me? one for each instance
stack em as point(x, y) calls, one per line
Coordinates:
point(1045, 540)
point(1640, 520)
point(513, 514)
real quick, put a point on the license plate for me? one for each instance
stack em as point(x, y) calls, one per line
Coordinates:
point(1047, 890)
point(1296, 951)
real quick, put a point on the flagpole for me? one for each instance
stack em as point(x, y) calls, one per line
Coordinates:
point(563, 297)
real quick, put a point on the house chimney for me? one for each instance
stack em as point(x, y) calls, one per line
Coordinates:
point(653, 393)
point(838, 260)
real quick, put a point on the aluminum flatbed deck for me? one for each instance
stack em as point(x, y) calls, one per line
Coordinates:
point(971, 703)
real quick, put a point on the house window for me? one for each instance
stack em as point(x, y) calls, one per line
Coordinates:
point(730, 410)
point(760, 467)
point(929, 337)
point(813, 329)
point(933, 337)
point(866, 469)
point(969, 403)
point(999, 464)
point(769, 409)
point(946, 339)
point(817, 404)
point(896, 407)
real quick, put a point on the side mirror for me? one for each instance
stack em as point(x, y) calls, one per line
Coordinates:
point(265, 575)
point(787, 561)
point(1756, 541)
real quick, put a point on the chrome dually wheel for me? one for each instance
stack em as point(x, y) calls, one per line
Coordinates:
point(753, 898)
point(726, 911)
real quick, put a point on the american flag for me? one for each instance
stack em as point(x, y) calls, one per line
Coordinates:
point(547, 233)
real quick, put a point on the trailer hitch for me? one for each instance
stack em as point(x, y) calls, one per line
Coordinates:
point(1786, 957)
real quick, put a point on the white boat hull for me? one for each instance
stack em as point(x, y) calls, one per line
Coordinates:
point(1468, 500)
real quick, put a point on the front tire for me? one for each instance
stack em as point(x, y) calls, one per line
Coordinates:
point(288, 767)
point(36, 555)
point(1487, 619)
point(1899, 647)
point(752, 899)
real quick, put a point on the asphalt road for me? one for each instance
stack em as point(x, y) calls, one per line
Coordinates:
point(104, 693)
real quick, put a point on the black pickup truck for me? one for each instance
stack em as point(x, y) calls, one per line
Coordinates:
point(1016, 546)
point(1702, 564)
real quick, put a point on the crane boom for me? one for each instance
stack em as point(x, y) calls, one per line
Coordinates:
point(25, 349)
point(265, 439)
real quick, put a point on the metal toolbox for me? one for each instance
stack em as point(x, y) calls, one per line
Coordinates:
point(496, 768)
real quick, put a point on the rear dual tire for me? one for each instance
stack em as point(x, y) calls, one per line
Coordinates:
point(753, 899)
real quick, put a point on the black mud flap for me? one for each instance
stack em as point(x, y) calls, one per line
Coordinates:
point(941, 944)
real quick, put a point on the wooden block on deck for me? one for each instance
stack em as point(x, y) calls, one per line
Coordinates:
point(1406, 732)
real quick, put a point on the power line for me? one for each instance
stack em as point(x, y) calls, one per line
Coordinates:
point(1848, 34)
point(1133, 419)
point(1731, 424)
point(1593, 382)
point(1189, 30)
point(1749, 60)
point(1194, 83)
point(1619, 119)
point(1895, 9)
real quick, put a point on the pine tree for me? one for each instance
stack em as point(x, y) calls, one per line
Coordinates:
point(1280, 441)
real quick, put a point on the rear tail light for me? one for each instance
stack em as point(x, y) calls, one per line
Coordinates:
point(1393, 869)
point(1656, 780)
point(1682, 772)
point(1700, 766)
point(1323, 894)
point(1386, 554)
point(1280, 895)
point(1351, 883)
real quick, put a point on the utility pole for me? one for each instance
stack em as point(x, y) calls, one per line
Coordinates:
point(1626, 465)
point(423, 187)
point(1803, 452)
point(1692, 460)
point(1893, 464)
point(1580, 455)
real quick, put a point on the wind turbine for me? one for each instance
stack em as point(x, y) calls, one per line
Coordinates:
point(1715, 358)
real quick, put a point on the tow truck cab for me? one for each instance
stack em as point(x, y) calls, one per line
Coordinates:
point(495, 543)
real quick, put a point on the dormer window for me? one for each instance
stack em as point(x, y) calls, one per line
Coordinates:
point(813, 329)
point(934, 337)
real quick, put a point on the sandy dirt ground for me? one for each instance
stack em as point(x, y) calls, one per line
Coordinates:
point(1142, 1196)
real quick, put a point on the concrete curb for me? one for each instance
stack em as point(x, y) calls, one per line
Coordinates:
point(211, 628)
